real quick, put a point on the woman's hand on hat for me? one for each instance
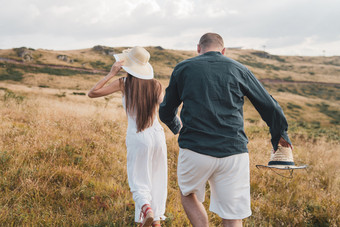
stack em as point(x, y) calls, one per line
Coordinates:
point(116, 67)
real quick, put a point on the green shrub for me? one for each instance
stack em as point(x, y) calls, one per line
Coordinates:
point(11, 74)
point(10, 95)
point(58, 72)
point(314, 130)
point(288, 78)
point(61, 95)
point(79, 93)
point(97, 64)
point(324, 108)
point(4, 159)
point(293, 106)
point(323, 91)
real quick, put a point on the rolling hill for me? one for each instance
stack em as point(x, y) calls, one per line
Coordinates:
point(317, 78)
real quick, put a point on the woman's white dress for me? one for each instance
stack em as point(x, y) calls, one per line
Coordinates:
point(147, 166)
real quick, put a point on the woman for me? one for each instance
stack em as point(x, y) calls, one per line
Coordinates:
point(145, 140)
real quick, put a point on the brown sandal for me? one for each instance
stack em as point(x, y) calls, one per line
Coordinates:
point(147, 215)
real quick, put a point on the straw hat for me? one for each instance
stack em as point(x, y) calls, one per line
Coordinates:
point(282, 159)
point(136, 62)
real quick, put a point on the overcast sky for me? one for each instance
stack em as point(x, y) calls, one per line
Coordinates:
point(284, 27)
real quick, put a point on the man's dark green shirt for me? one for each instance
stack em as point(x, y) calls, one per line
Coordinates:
point(212, 89)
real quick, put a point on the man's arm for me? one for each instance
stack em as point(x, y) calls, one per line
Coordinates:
point(169, 107)
point(270, 111)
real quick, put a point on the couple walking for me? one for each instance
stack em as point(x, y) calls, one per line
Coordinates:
point(212, 141)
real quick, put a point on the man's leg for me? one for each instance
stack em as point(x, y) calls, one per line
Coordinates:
point(195, 210)
point(230, 190)
point(232, 223)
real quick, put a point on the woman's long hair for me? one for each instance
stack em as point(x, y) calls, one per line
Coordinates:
point(141, 99)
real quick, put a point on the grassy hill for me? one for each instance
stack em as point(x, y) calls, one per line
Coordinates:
point(317, 78)
point(264, 65)
point(62, 155)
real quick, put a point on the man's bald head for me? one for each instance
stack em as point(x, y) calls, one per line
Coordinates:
point(211, 42)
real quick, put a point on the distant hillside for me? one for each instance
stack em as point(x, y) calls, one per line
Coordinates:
point(96, 58)
point(263, 64)
point(306, 76)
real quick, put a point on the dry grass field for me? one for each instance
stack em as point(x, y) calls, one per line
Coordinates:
point(63, 155)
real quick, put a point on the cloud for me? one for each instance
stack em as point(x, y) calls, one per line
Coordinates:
point(176, 24)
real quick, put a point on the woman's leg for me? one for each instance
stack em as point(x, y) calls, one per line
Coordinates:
point(139, 169)
point(159, 176)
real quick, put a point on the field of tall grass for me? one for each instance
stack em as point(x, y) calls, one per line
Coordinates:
point(63, 163)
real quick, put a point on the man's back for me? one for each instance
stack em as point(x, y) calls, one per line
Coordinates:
point(210, 87)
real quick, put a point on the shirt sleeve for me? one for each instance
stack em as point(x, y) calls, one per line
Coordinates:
point(169, 107)
point(269, 109)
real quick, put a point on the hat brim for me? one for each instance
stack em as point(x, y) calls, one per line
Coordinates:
point(144, 72)
point(282, 167)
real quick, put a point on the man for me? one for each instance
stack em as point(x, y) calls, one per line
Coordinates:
point(212, 141)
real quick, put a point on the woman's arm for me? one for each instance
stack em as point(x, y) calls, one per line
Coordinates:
point(161, 93)
point(160, 98)
point(99, 90)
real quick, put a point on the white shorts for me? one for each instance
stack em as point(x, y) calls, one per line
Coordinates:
point(228, 178)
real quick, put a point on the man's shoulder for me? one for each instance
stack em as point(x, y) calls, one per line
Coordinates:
point(201, 59)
